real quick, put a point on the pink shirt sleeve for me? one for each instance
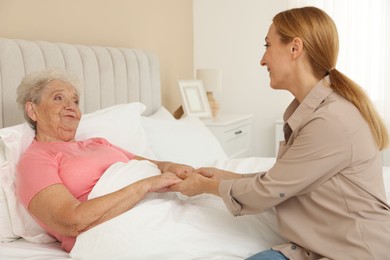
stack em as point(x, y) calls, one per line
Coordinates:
point(34, 174)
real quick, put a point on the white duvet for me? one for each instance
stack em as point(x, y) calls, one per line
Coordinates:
point(171, 226)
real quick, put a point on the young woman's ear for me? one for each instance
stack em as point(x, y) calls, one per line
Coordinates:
point(30, 110)
point(296, 46)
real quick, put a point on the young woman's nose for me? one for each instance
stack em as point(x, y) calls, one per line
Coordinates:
point(262, 62)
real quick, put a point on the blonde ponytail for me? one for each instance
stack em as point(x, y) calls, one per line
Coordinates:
point(356, 95)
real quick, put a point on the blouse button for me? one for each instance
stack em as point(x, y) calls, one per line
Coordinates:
point(281, 195)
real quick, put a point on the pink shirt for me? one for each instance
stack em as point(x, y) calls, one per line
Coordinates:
point(77, 165)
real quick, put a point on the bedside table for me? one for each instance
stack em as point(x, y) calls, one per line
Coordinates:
point(234, 132)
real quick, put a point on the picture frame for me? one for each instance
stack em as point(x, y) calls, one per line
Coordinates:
point(194, 98)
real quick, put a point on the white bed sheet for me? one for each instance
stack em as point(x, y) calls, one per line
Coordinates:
point(22, 249)
point(173, 226)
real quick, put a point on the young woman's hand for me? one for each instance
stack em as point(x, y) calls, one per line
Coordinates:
point(217, 174)
point(194, 184)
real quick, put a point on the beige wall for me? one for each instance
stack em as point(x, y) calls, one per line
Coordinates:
point(161, 26)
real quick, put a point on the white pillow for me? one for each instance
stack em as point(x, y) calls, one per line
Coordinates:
point(163, 114)
point(119, 124)
point(15, 221)
point(186, 140)
point(6, 232)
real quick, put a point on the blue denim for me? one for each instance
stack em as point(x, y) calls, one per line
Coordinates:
point(268, 255)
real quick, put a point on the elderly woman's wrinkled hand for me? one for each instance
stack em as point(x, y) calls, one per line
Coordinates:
point(161, 183)
point(174, 167)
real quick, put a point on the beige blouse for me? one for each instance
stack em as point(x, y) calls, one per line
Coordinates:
point(326, 185)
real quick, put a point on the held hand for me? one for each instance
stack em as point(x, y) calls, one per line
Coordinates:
point(166, 166)
point(160, 183)
point(195, 184)
point(174, 167)
point(217, 174)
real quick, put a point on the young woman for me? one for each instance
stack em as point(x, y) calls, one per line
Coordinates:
point(326, 185)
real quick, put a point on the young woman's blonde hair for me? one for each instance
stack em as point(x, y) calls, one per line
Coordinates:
point(320, 40)
point(32, 85)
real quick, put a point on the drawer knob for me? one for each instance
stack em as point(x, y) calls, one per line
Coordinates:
point(238, 132)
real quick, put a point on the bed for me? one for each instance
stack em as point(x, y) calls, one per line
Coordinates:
point(121, 101)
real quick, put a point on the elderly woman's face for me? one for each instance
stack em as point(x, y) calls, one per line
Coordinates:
point(57, 114)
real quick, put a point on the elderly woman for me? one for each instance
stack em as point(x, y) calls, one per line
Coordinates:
point(327, 184)
point(56, 173)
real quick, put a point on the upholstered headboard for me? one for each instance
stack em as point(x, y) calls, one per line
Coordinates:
point(110, 75)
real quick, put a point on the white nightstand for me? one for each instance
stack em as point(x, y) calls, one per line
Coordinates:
point(234, 132)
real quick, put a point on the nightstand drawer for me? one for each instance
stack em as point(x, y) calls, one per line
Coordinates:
point(236, 141)
point(234, 132)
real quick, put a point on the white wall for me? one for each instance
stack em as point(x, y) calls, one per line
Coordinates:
point(229, 34)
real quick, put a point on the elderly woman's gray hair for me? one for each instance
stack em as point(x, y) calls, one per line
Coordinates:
point(32, 85)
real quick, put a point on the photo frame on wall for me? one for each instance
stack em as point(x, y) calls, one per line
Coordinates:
point(194, 98)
